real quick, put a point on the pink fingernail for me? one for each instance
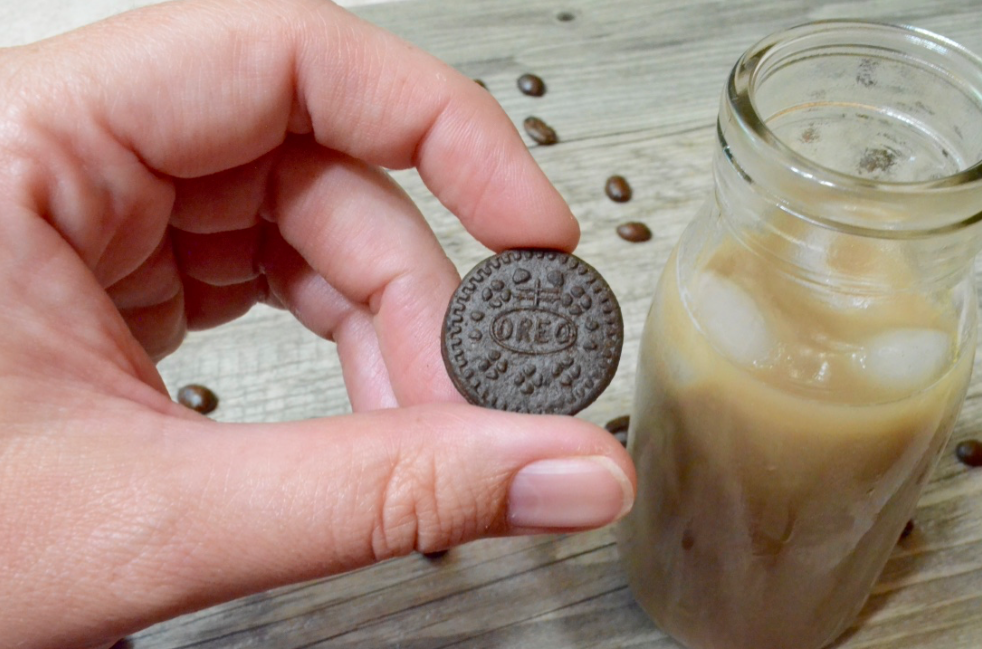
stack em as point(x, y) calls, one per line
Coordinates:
point(578, 492)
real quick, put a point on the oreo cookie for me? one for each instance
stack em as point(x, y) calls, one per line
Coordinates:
point(534, 331)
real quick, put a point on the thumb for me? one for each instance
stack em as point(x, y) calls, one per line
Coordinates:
point(204, 512)
point(345, 492)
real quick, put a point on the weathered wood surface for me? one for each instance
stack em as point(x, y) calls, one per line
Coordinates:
point(633, 88)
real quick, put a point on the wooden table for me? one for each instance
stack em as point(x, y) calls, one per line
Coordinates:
point(633, 89)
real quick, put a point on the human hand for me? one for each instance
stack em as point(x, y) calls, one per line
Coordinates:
point(168, 169)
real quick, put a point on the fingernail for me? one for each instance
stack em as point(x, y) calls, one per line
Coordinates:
point(579, 492)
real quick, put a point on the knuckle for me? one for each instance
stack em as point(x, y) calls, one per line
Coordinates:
point(421, 507)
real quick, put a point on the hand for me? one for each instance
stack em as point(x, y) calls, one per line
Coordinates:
point(166, 170)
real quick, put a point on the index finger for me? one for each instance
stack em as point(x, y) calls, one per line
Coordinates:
point(198, 87)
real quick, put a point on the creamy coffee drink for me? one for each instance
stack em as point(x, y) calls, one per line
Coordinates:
point(781, 441)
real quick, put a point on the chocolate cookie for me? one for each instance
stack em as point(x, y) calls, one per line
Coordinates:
point(535, 331)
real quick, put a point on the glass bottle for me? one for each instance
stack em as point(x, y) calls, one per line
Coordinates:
point(811, 338)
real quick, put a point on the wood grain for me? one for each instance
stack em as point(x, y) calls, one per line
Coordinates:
point(633, 89)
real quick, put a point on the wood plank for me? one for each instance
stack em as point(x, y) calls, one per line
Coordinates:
point(547, 587)
point(353, 598)
point(611, 620)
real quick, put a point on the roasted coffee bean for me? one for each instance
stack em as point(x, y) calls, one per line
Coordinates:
point(197, 398)
point(908, 530)
point(540, 131)
point(618, 189)
point(618, 428)
point(618, 424)
point(969, 452)
point(437, 555)
point(531, 85)
point(633, 231)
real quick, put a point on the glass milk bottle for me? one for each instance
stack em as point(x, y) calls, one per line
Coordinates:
point(811, 339)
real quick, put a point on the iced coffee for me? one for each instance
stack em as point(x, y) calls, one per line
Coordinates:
point(810, 341)
point(782, 437)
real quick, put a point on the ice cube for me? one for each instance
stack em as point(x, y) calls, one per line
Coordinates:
point(813, 252)
point(905, 359)
point(731, 320)
point(681, 369)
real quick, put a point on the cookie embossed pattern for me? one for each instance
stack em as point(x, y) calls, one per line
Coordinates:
point(535, 331)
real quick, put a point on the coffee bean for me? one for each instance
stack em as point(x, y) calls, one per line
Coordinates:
point(618, 189)
point(531, 85)
point(633, 231)
point(969, 452)
point(197, 398)
point(618, 428)
point(908, 530)
point(436, 555)
point(540, 131)
point(618, 424)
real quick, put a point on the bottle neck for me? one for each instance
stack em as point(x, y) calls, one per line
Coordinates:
point(827, 167)
point(780, 230)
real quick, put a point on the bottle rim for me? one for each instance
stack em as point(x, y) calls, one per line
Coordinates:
point(758, 152)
